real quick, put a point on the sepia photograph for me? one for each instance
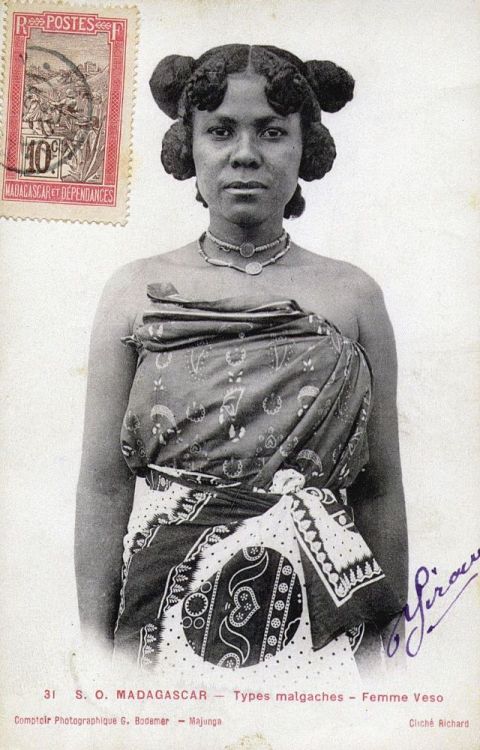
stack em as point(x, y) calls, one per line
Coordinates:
point(240, 303)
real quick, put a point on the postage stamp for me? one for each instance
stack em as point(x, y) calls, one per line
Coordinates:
point(67, 111)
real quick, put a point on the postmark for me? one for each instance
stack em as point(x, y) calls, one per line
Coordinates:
point(68, 101)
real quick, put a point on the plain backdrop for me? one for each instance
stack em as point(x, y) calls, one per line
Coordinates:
point(402, 202)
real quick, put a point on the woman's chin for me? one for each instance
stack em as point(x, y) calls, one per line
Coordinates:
point(247, 215)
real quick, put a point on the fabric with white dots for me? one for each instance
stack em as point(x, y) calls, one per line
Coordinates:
point(241, 572)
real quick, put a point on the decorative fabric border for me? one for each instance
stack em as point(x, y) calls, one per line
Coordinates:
point(339, 554)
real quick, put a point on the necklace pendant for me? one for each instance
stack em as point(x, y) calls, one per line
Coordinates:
point(247, 249)
point(253, 269)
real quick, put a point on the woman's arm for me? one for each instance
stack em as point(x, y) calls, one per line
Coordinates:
point(377, 495)
point(106, 485)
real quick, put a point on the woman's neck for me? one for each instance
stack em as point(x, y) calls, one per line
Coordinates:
point(236, 234)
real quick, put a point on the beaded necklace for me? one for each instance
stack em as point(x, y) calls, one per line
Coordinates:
point(254, 267)
point(246, 249)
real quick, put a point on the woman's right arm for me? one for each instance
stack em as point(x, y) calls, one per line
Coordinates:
point(106, 485)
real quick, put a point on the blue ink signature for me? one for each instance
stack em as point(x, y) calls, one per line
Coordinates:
point(416, 614)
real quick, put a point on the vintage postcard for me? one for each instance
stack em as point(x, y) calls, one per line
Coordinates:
point(240, 342)
point(68, 96)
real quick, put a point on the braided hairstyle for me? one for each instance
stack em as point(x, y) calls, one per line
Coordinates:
point(179, 84)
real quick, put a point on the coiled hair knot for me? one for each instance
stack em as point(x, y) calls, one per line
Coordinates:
point(207, 86)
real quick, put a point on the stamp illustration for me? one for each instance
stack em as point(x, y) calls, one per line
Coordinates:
point(67, 112)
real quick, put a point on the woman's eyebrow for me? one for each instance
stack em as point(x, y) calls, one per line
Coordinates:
point(262, 122)
point(222, 120)
point(258, 122)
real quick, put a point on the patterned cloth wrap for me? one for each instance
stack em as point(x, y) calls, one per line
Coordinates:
point(241, 409)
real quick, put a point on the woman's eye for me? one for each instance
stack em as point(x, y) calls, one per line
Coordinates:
point(219, 132)
point(272, 133)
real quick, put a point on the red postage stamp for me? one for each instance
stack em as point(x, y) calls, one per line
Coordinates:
point(68, 83)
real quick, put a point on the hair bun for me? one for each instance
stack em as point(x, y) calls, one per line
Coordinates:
point(332, 85)
point(168, 81)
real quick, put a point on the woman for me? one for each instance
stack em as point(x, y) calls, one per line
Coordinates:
point(243, 395)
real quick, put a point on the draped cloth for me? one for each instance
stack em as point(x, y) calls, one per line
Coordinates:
point(248, 420)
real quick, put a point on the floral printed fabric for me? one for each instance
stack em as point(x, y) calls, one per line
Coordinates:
point(239, 388)
point(242, 409)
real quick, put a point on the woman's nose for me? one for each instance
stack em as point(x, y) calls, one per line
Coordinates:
point(245, 152)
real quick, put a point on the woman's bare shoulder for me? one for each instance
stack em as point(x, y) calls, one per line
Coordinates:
point(337, 272)
point(133, 277)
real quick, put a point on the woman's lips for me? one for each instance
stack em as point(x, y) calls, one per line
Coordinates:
point(252, 186)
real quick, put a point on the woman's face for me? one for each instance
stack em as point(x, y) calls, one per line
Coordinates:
point(246, 156)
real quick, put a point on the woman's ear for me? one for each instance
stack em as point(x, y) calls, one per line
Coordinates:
point(332, 85)
point(168, 81)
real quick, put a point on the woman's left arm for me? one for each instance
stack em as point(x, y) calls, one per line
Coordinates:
point(377, 494)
